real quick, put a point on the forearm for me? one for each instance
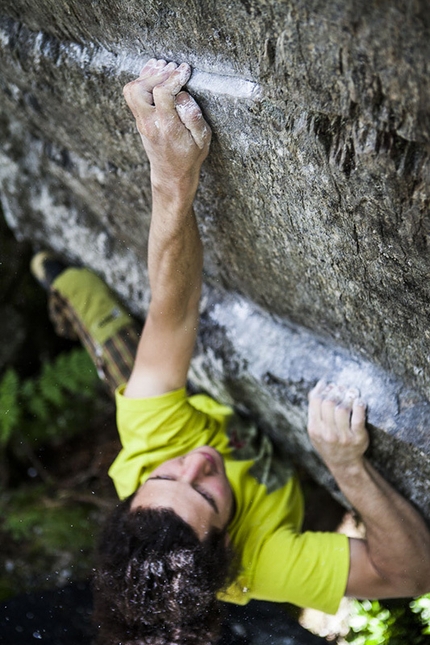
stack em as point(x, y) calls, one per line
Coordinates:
point(394, 560)
point(176, 139)
point(398, 539)
point(175, 255)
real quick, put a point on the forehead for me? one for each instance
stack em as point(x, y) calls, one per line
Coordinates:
point(181, 498)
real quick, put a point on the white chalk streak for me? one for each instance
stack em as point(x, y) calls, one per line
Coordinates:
point(200, 82)
point(103, 61)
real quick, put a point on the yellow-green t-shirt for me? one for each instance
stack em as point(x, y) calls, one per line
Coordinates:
point(278, 562)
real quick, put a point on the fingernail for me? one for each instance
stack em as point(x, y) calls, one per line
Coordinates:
point(160, 63)
point(328, 388)
point(337, 393)
point(352, 393)
point(184, 71)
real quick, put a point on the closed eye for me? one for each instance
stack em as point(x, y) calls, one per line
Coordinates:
point(166, 477)
point(198, 490)
point(208, 497)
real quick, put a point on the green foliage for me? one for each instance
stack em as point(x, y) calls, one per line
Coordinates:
point(421, 606)
point(10, 412)
point(46, 530)
point(39, 516)
point(52, 405)
point(390, 622)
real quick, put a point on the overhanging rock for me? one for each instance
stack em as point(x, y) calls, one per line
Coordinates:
point(313, 204)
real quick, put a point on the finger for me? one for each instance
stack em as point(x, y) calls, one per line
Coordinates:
point(149, 65)
point(332, 396)
point(318, 389)
point(327, 414)
point(342, 417)
point(314, 414)
point(191, 116)
point(314, 409)
point(139, 93)
point(159, 70)
point(358, 418)
point(165, 93)
point(344, 408)
point(335, 393)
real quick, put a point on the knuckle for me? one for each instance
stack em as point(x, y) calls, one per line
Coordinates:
point(159, 89)
point(193, 112)
point(313, 431)
point(329, 403)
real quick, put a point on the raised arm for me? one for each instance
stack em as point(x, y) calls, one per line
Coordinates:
point(176, 139)
point(394, 560)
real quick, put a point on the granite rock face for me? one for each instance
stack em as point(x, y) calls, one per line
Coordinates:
point(313, 206)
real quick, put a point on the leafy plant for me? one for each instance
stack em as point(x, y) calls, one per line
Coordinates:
point(53, 405)
point(47, 526)
point(10, 411)
point(421, 606)
point(390, 622)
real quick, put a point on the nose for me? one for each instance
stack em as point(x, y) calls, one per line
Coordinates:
point(195, 466)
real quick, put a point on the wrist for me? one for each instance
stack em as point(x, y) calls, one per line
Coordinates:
point(349, 471)
point(181, 180)
point(173, 194)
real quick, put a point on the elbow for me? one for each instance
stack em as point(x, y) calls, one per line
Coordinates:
point(411, 583)
point(423, 585)
point(419, 576)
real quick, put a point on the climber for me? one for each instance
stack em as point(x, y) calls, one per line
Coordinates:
point(208, 511)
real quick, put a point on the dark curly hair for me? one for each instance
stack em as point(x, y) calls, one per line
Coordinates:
point(155, 582)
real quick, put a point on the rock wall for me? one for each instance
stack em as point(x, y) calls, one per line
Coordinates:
point(314, 202)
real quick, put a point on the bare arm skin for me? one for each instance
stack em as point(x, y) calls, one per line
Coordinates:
point(176, 139)
point(394, 560)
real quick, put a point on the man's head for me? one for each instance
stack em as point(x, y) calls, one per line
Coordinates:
point(164, 554)
point(195, 486)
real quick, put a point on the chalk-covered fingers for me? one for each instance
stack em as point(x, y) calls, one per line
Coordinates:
point(191, 116)
point(165, 93)
point(174, 133)
point(337, 423)
point(323, 400)
point(139, 93)
point(343, 411)
point(331, 398)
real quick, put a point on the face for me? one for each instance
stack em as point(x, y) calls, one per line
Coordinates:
point(195, 486)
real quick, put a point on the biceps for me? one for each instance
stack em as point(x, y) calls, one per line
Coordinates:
point(163, 357)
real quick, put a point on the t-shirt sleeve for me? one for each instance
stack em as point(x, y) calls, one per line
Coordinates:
point(307, 569)
point(155, 429)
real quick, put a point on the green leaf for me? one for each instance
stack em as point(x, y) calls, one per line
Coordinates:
point(10, 411)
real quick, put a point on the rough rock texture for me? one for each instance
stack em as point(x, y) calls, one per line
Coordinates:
point(314, 203)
